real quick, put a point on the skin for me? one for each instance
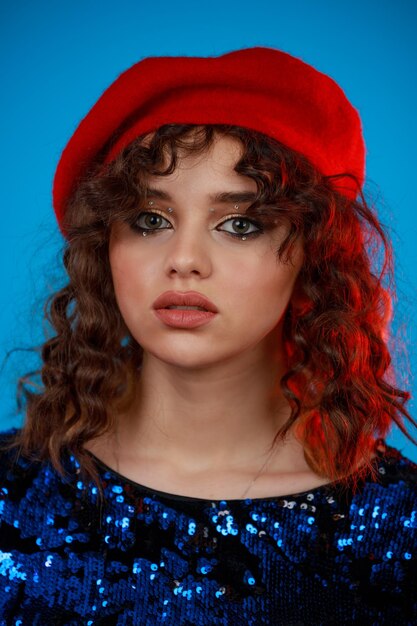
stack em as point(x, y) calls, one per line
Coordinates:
point(208, 402)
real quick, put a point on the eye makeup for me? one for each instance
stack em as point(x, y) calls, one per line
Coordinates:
point(151, 231)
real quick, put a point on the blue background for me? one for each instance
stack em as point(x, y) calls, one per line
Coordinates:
point(57, 58)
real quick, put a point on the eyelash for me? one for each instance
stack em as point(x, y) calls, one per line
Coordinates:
point(254, 234)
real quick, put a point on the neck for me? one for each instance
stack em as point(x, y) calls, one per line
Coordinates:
point(224, 415)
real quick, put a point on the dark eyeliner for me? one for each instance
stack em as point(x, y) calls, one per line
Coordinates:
point(133, 224)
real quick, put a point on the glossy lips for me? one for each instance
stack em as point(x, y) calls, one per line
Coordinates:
point(183, 318)
point(187, 298)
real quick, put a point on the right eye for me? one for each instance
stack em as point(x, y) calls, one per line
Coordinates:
point(152, 221)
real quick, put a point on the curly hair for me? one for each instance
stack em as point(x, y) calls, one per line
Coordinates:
point(340, 382)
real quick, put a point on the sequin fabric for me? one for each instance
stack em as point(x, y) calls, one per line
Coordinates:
point(324, 556)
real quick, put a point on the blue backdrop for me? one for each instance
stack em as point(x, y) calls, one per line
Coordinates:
point(58, 57)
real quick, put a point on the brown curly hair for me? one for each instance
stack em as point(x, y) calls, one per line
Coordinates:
point(340, 384)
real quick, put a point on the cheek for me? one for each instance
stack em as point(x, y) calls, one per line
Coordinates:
point(272, 288)
point(128, 277)
point(273, 293)
point(263, 279)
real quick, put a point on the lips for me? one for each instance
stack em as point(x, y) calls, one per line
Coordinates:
point(187, 298)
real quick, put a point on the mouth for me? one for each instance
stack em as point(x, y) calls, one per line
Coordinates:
point(184, 316)
point(188, 300)
point(185, 308)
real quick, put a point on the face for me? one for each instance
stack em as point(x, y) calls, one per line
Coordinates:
point(193, 249)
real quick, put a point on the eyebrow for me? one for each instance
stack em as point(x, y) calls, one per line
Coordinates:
point(222, 197)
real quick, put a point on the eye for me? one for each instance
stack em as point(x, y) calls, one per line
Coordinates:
point(152, 219)
point(240, 222)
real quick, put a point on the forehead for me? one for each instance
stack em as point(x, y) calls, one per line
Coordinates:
point(215, 162)
point(190, 146)
point(219, 197)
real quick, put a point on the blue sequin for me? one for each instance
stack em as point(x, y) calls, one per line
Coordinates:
point(147, 558)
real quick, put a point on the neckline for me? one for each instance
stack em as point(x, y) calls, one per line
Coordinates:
point(332, 485)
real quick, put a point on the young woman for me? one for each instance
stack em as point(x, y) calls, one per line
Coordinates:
point(206, 445)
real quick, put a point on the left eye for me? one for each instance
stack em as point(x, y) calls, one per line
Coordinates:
point(242, 220)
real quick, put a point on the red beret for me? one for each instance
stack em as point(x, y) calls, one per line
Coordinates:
point(259, 88)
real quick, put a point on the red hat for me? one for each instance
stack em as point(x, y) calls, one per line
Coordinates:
point(259, 88)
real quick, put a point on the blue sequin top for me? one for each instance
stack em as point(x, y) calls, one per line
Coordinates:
point(324, 556)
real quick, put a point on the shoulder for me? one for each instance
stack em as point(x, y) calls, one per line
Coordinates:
point(17, 472)
point(390, 499)
point(26, 478)
point(395, 471)
point(377, 514)
point(380, 517)
point(31, 491)
point(9, 456)
point(392, 484)
point(7, 436)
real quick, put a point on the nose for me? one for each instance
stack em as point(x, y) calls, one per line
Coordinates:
point(188, 252)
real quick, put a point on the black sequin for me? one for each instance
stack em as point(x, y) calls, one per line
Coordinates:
point(324, 556)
